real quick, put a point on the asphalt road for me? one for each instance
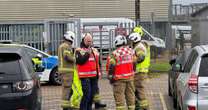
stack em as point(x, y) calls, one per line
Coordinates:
point(156, 89)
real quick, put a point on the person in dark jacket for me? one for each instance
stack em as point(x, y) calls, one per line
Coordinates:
point(87, 60)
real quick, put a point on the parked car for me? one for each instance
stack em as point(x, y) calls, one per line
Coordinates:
point(173, 73)
point(50, 63)
point(192, 82)
point(19, 83)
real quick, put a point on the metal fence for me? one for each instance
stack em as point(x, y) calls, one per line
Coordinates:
point(47, 35)
point(44, 35)
point(187, 10)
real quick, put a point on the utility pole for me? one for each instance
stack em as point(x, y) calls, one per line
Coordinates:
point(153, 23)
point(169, 40)
point(137, 12)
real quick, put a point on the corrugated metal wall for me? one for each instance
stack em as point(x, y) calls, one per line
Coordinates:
point(109, 8)
point(159, 7)
point(44, 9)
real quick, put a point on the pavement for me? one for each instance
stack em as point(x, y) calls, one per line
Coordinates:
point(156, 89)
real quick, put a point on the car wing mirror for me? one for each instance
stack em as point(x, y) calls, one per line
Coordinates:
point(177, 68)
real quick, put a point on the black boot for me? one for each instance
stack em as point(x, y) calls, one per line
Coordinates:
point(99, 105)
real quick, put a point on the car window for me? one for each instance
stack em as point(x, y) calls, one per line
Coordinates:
point(32, 53)
point(28, 63)
point(9, 63)
point(185, 57)
point(178, 59)
point(203, 71)
point(191, 59)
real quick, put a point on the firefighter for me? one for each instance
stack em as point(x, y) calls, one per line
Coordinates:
point(66, 67)
point(37, 62)
point(121, 74)
point(87, 59)
point(142, 59)
point(139, 30)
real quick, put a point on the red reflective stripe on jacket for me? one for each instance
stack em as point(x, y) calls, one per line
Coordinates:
point(124, 71)
point(124, 76)
point(124, 63)
point(88, 69)
point(87, 74)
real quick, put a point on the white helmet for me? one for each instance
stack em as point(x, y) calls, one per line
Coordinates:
point(69, 35)
point(120, 40)
point(135, 37)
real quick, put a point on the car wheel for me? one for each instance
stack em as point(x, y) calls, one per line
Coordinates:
point(55, 77)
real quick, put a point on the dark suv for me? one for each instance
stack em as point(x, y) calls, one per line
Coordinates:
point(19, 83)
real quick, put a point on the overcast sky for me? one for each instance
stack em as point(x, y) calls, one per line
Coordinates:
point(186, 2)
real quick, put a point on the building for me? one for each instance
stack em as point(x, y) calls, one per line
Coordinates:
point(154, 17)
point(13, 10)
point(199, 22)
point(42, 23)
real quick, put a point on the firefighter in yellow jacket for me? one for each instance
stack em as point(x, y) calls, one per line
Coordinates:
point(37, 63)
point(142, 58)
point(66, 68)
point(121, 74)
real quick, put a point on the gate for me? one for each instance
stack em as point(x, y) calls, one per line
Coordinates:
point(26, 33)
point(55, 29)
point(43, 35)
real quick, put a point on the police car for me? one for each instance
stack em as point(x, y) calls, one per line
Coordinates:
point(50, 74)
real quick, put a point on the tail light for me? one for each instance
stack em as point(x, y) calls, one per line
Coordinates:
point(191, 108)
point(193, 83)
point(24, 85)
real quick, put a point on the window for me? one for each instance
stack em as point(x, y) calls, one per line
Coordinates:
point(203, 71)
point(32, 53)
point(9, 63)
point(28, 63)
point(191, 59)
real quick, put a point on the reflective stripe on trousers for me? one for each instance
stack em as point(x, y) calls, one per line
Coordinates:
point(131, 107)
point(120, 108)
point(65, 104)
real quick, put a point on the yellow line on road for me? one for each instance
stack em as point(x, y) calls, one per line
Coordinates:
point(163, 102)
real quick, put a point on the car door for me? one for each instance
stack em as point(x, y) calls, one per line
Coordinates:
point(184, 75)
point(203, 84)
point(173, 73)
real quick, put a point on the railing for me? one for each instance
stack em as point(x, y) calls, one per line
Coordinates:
point(183, 12)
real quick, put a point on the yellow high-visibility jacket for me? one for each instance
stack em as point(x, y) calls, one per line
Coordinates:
point(77, 91)
point(143, 66)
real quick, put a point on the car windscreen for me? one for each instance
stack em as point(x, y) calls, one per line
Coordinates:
point(9, 63)
point(203, 71)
